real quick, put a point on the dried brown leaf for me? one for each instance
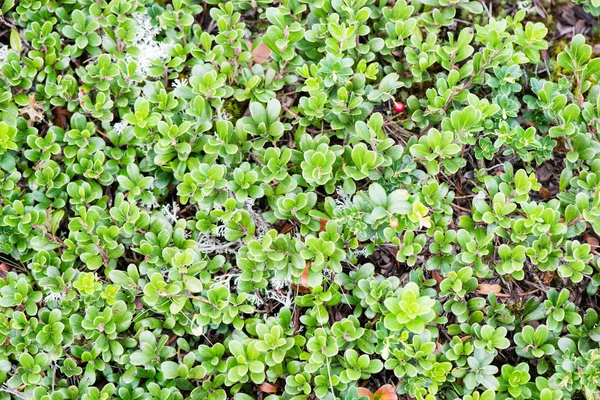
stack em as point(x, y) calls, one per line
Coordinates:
point(591, 240)
point(261, 53)
point(138, 303)
point(486, 288)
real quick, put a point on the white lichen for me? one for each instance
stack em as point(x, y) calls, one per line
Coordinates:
point(255, 299)
point(343, 200)
point(357, 253)
point(222, 115)
point(119, 127)
point(220, 231)
point(179, 86)
point(208, 244)
point(55, 296)
point(150, 50)
point(278, 284)
point(262, 226)
point(154, 205)
point(3, 53)
point(170, 212)
point(526, 5)
point(285, 299)
point(226, 279)
point(179, 83)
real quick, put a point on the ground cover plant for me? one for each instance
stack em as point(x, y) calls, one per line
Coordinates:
point(299, 199)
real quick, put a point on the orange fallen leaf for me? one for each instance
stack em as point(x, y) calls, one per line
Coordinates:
point(436, 276)
point(547, 277)
point(171, 339)
point(591, 240)
point(3, 270)
point(545, 193)
point(303, 287)
point(560, 147)
point(61, 117)
point(323, 223)
point(268, 388)
point(286, 228)
point(261, 53)
point(386, 392)
point(300, 289)
point(304, 277)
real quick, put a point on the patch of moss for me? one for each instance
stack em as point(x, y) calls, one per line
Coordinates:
point(234, 109)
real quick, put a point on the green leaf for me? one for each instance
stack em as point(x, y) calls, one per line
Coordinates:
point(377, 195)
point(15, 40)
point(139, 358)
point(169, 369)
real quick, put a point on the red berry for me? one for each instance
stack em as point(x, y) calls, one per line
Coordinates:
point(399, 106)
point(394, 223)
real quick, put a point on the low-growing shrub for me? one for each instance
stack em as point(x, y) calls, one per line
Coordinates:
point(298, 199)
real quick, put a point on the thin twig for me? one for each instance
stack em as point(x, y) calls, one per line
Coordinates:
point(53, 238)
